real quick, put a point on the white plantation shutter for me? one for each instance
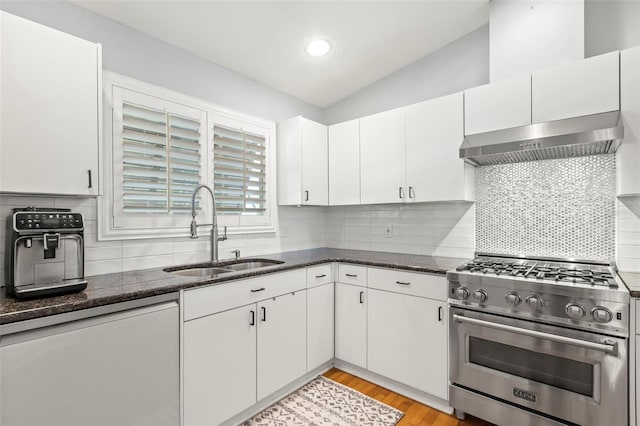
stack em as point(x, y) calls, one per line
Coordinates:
point(160, 145)
point(239, 171)
point(161, 160)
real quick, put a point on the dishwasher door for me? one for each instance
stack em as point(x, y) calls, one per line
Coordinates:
point(115, 369)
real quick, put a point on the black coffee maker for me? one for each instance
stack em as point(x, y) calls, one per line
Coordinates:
point(44, 252)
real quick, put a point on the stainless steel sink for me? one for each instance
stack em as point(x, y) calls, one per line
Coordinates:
point(212, 270)
point(201, 272)
point(245, 264)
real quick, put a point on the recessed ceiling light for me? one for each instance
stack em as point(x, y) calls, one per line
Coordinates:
point(318, 47)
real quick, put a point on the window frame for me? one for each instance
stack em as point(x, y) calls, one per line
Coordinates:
point(111, 225)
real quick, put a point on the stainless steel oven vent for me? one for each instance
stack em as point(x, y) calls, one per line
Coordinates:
point(573, 137)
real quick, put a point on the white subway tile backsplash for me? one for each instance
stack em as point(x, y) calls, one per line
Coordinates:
point(102, 267)
point(147, 248)
point(102, 253)
point(146, 262)
point(305, 229)
point(628, 211)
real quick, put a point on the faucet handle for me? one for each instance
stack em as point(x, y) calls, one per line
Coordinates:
point(224, 235)
point(236, 252)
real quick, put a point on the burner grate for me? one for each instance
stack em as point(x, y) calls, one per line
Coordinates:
point(540, 271)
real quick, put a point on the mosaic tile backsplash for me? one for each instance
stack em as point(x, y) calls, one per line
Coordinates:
point(555, 208)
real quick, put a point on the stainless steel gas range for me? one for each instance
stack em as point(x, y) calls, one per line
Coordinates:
point(538, 341)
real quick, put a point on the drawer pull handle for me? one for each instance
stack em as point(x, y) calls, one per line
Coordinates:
point(352, 275)
point(362, 297)
point(403, 282)
point(321, 276)
point(253, 318)
point(255, 290)
point(264, 314)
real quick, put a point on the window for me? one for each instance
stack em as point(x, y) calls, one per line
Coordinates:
point(160, 145)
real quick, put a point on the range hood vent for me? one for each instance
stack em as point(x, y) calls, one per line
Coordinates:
point(572, 137)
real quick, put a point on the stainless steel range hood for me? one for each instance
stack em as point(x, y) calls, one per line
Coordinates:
point(572, 137)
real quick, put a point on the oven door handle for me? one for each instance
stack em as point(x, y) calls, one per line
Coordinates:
point(602, 347)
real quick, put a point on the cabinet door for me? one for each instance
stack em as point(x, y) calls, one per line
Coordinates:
point(579, 88)
point(344, 163)
point(282, 344)
point(289, 154)
point(382, 158)
point(496, 106)
point(49, 110)
point(315, 167)
point(320, 308)
point(351, 324)
point(117, 369)
point(628, 155)
point(407, 340)
point(434, 132)
point(219, 366)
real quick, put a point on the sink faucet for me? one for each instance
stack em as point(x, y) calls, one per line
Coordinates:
point(237, 253)
point(214, 226)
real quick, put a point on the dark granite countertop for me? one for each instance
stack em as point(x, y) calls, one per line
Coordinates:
point(121, 287)
point(632, 281)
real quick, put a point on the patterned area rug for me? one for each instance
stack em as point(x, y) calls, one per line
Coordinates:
point(325, 402)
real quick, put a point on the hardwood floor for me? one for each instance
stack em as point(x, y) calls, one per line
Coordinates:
point(415, 412)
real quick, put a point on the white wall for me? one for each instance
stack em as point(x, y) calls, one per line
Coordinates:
point(459, 65)
point(610, 25)
point(526, 36)
point(136, 55)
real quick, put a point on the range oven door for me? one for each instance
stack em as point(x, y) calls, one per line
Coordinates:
point(575, 376)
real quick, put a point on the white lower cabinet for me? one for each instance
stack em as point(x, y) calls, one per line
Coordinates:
point(320, 325)
point(219, 366)
point(407, 340)
point(234, 356)
point(282, 341)
point(351, 324)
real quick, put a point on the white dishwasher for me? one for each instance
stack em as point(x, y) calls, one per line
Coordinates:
point(113, 369)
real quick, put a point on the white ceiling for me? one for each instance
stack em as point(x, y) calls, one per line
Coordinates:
point(266, 40)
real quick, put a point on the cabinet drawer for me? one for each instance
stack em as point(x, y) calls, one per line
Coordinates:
point(423, 285)
point(209, 300)
point(351, 274)
point(318, 275)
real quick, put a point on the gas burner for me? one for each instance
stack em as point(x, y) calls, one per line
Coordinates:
point(559, 271)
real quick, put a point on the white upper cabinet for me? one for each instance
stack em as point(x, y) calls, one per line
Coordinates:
point(50, 104)
point(434, 132)
point(496, 106)
point(578, 88)
point(302, 163)
point(344, 163)
point(382, 158)
point(628, 155)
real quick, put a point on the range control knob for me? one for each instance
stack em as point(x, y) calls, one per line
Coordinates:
point(480, 295)
point(601, 314)
point(535, 302)
point(513, 298)
point(574, 311)
point(462, 293)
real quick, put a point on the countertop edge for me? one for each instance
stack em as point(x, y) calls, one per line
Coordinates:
point(175, 284)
